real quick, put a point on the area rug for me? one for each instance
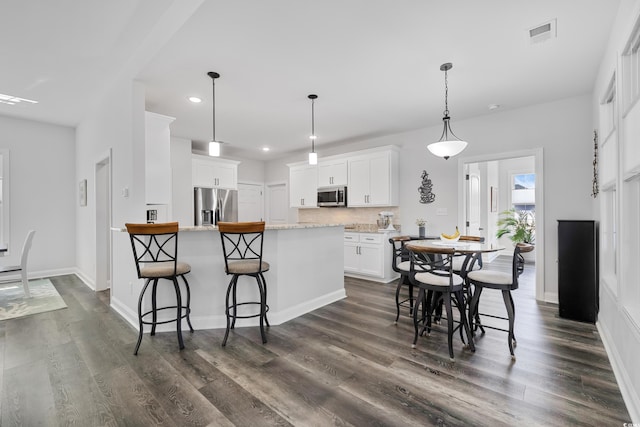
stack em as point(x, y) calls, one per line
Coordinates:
point(44, 297)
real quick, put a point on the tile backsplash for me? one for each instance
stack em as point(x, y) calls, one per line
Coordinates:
point(347, 215)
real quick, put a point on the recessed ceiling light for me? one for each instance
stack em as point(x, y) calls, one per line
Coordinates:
point(195, 99)
point(13, 100)
point(265, 149)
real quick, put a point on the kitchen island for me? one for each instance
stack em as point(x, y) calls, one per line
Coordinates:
point(307, 263)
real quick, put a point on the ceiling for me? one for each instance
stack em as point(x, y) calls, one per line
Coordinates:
point(374, 64)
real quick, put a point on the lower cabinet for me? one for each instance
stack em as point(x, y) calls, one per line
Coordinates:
point(368, 255)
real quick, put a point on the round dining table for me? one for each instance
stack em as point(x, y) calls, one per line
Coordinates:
point(461, 247)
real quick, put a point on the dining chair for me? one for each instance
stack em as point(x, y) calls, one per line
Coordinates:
point(242, 244)
point(430, 271)
point(504, 282)
point(22, 268)
point(473, 262)
point(400, 264)
point(155, 252)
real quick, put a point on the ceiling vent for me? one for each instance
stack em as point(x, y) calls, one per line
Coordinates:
point(543, 32)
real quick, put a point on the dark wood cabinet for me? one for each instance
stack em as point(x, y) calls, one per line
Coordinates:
point(578, 270)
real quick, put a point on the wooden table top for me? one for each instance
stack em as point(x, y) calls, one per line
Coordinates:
point(460, 247)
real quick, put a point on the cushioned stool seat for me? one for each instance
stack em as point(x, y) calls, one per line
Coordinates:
point(242, 249)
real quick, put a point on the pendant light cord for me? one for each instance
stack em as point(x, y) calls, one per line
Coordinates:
point(446, 94)
point(313, 127)
point(214, 110)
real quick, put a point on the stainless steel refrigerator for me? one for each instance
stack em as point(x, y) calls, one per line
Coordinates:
point(213, 204)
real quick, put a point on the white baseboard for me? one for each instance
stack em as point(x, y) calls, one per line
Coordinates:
point(629, 395)
point(87, 280)
point(551, 297)
point(40, 274)
point(220, 321)
point(372, 278)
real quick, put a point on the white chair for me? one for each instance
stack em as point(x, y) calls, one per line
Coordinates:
point(22, 268)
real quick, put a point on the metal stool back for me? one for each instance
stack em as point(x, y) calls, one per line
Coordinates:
point(242, 244)
point(155, 251)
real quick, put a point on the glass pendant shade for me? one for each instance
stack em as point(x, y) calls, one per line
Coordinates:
point(214, 149)
point(447, 149)
point(449, 145)
point(313, 158)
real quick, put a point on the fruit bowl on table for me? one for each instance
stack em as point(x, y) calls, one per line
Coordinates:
point(449, 240)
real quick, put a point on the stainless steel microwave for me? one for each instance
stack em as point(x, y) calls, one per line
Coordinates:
point(332, 196)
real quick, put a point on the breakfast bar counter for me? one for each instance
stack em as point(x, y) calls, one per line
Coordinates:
point(307, 263)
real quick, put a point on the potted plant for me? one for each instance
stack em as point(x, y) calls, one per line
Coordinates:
point(521, 226)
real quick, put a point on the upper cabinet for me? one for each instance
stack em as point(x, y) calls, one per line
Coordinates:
point(157, 147)
point(373, 179)
point(303, 186)
point(332, 172)
point(214, 172)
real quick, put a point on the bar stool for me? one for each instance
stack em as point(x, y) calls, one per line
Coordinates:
point(504, 282)
point(431, 272)
point(155, 251)
point(242, 249)
point(400, 264)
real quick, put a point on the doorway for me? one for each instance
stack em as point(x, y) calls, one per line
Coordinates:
point(494, 195)
point(103, 221)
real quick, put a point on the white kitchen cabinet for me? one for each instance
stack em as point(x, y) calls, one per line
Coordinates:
point(157, 156)
point(214, 173)
point(368, 255)
point(332, 172)
point(303, 186)
point(373, 179)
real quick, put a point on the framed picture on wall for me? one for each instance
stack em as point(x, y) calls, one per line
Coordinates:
point(494, 199)
point(82, 192)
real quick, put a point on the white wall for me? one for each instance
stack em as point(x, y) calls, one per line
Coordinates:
point(620, 334)
point(117, 124)
point(44, 193)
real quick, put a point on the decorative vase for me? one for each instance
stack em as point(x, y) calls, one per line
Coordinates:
point(422, 231)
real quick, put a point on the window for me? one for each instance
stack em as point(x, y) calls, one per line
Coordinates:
point(4, 197)
point(608, 109)
point(608, 234)
point(630, 287)
point(523, 192)
point(631, 69)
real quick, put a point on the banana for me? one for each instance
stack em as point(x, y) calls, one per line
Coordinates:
point(451, 236)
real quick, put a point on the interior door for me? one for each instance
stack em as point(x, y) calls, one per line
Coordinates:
point(277, 204)
point(250, 202)
point(473, 205)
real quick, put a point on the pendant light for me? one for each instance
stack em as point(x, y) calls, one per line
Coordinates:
point(449, 144)
point(313, 156)
point(214, 145)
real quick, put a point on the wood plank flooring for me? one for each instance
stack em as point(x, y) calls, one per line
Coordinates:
point(345, 364)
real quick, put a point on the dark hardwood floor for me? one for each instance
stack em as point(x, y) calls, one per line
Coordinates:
point(344, 364)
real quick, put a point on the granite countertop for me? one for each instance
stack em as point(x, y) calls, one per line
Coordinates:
point(267, 227)
point(367, 228)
